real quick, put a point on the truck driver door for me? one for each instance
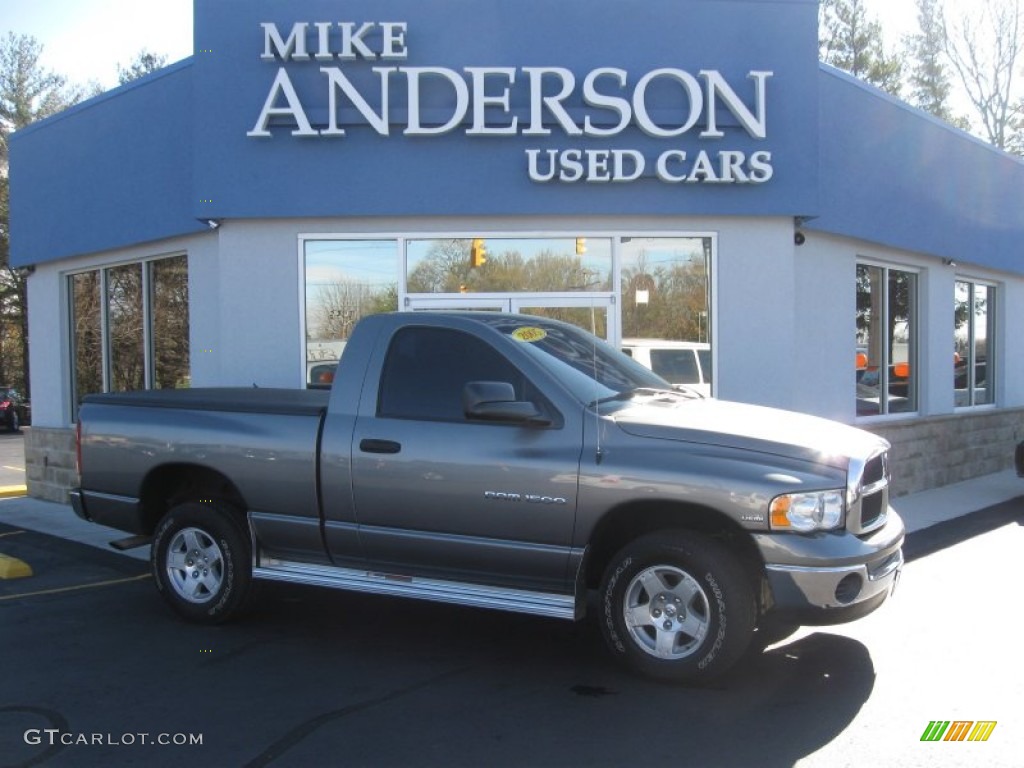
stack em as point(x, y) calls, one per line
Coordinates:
point(449, 497)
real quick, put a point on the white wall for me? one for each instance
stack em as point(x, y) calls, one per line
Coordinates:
point(823, 377)
point(258, 305)
point(755, 299)
point(47, 333)
point(1010, 349)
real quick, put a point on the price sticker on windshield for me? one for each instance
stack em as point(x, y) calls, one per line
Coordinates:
point(529, 334)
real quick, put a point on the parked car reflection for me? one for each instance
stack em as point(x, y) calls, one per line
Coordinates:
point(14, 409)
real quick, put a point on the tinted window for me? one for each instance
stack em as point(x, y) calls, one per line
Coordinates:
point(677, 366)
point(427, 368)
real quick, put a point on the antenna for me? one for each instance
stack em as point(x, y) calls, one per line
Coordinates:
point(598, 456)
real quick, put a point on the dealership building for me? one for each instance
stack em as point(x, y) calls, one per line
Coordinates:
point(671, 170)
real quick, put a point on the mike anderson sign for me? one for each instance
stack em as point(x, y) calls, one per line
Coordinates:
point(604, 103)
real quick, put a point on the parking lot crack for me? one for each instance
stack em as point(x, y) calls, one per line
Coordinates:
point(301, 731)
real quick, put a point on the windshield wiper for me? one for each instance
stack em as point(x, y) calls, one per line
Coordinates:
point(629, 394)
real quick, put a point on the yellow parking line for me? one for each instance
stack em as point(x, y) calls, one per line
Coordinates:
point(76, 587)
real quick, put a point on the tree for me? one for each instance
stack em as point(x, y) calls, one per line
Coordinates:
point(985, 48)
point(27, 93)
point(1015, 141)
point(930, 86)
point(850, 41)
point(143, 64)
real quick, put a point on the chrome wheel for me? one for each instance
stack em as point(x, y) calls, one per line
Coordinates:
point(666, 612)
point(195, 565)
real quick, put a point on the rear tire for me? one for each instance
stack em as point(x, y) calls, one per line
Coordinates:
point(201, 562)
point(676, 606)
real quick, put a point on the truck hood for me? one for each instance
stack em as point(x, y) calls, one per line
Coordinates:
point(746, 427)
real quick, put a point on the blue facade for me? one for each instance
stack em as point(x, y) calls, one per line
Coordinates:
point(893, 175)
point(111, 172)
point(214, 137)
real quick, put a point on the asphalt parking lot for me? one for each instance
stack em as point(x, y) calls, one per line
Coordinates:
point(97, 671)
point(313, 677)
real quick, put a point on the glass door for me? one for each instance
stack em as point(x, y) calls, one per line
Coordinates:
point(565, 278)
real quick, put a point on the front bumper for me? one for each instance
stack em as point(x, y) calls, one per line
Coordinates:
point(831, 578)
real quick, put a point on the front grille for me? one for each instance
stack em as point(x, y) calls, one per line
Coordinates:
point(871, 508)
point(874, 471)
point(869, 481)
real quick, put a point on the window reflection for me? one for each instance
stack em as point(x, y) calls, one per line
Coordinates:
point(666, 307)
point(973, 331)
point(86, 338)
point(124, 322)
point(120, 343)
point(345, 280)
point(169, 301)
point(886, 341)
point(501, 265)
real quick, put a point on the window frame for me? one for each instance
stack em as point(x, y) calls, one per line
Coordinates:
point(148, 334)
point(534, 395)
point(618, 237)
point(914, 340)
point(991, 361)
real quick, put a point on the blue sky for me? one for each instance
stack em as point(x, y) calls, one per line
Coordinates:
point(86, 39)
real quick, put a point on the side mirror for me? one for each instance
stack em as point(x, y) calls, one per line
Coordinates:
point(496, 401)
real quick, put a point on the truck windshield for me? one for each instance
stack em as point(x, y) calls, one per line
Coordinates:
point(592, 369)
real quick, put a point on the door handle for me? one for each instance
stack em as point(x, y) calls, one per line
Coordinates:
point(370, 445)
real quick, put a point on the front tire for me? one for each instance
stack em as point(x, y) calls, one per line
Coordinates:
point(201, 562)
point(676, 606)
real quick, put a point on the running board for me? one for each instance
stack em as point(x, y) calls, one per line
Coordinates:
point(453, 592)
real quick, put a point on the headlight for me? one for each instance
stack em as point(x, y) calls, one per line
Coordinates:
point(806, 512)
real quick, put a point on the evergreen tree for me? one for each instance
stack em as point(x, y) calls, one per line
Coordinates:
point(143, 64)
point(850, 41)
point(929, 80)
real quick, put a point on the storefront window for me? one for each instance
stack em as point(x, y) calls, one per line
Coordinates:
point(345, 280)
point(86, 335)
point(666, 307)
point(124, 323)
point(973, 338)
point(124, 340)
point(169, 302)
point(886, 341)
point(505, 265)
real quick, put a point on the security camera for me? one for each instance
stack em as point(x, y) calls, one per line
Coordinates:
point(798, 237)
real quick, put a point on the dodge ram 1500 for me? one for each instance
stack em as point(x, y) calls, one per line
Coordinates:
point(507, 462)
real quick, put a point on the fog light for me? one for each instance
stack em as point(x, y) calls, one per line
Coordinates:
point(848, 588)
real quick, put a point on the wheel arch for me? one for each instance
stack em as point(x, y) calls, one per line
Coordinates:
point(172, 484)
point(627, 522)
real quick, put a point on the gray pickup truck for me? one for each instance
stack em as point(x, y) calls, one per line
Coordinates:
point(506, 462)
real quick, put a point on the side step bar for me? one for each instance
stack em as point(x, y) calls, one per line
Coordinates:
point(456, 593)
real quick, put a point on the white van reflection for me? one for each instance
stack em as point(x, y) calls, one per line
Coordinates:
point(686, 363)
